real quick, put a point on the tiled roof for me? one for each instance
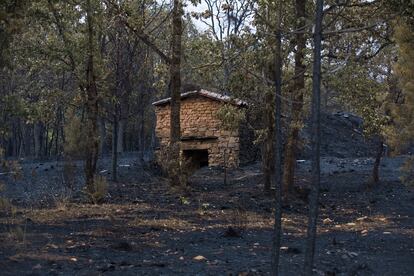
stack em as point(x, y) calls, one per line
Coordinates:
point(207, 94)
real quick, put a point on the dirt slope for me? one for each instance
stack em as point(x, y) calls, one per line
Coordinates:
point(341, 137)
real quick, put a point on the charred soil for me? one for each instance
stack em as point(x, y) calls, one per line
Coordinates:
point(148, 228)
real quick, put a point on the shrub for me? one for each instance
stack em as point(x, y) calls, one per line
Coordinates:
point(407, 171)
point(100, 189)
point(69, 172)
point(182, 168)
point(238, 218)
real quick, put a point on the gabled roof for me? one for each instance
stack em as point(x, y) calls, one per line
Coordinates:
point(206, 94)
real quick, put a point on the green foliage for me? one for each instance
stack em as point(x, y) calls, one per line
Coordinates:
point(161, 72)
point(201, 63)
point(231, 116)
point(401, 133)
point(75, 136)
point(362, 94)
point(184, 200)
point(11, 14)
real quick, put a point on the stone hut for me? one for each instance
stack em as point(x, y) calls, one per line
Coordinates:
point(202, 138)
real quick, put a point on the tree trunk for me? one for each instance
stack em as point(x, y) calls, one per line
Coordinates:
point(92, 147)
point(102, 136)
point(226, 69)
point(278, 147)
point(268, 152)
point(120, 139)
point(57, 124)
point(62, 132)
point(141, 136)
point(37, 129)
point(46, 143)
point(52, 139)
point(21, 147)
point(115, 148)
point(375, 170)
point(297, 105)
point(175, 86)
point(28, 140)
point(315, 139)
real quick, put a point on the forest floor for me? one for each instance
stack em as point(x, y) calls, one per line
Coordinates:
point(147, 228)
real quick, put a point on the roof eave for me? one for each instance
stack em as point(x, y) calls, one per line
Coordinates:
point(206, 94)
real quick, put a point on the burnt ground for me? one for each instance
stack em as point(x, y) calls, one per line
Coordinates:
point(147, 228)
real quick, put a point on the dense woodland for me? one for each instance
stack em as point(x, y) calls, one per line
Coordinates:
point(78, 79)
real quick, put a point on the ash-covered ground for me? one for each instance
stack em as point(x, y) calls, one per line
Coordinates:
point(147, 227)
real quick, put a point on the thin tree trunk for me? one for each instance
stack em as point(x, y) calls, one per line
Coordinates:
point(16, 139)
point(175, 86)
point(37, 139)
point(46, 138)
point(315, 139)
point(57, 140)
point(62, 132)
point(226, 157)
point(57, 124)
point(21, 147)
point(92, 148)
point(28, 140)
point(141, 136)
point(268, 154)
point(120, 139)
point(102, 136)
point(52, 139)
point(278, 147)
point(297, 105)
point(375, 169)
point(226, 70)
point(115, 148)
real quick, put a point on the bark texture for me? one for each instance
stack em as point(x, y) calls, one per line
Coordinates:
point(175, 86)
point(297, 104)
point(315, 139)
point(268, 146)
point(92, 148)
point(278, 147)
point(375, 170)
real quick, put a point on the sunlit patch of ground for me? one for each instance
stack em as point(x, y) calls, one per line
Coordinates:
point(169, 223)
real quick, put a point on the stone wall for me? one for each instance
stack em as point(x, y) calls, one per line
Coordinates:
point(200, 129)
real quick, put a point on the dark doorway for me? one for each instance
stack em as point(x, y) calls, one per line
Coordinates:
point(199, 158)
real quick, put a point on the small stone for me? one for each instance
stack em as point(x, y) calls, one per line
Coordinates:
point(199, 258)
point(327, 221)
point(362, 218)
point(352, 254)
